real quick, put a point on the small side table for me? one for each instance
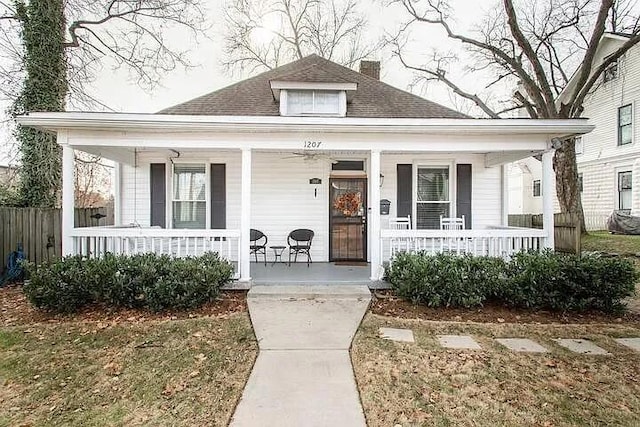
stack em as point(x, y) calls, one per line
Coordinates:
point(277, 254)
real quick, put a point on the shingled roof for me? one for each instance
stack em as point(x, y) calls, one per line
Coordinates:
point(372, 99)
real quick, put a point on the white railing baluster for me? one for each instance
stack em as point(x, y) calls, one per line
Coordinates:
point(97, 241)
point(497, 242)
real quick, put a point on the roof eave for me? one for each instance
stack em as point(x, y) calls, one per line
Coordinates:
point(176, 123)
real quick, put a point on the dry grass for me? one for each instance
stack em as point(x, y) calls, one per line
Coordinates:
point(607, 242)
point(182, 372)
point(424, 384)
point(629, 246)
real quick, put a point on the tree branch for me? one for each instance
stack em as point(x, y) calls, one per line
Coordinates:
point(454, 87)
point(587, 62)
point(576, 104)
point(533, 58)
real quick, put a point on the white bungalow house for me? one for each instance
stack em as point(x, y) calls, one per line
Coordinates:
point(609, 157)
point(309, 145)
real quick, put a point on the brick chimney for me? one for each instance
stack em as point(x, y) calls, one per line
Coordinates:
point(370, 68)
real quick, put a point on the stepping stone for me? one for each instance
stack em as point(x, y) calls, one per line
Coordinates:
point(632, 343)
point(522, 344)
point(393, 334)
point(458, 341)
point(581, 346)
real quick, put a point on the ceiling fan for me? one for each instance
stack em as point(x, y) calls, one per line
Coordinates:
point(310, 156)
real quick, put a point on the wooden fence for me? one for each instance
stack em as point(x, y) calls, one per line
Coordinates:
point(39, 230)
point(567, 233)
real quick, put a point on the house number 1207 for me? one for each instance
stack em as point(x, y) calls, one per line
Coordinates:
point(312, 144)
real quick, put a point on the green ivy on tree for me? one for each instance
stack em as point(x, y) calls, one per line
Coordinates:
point(45, 89)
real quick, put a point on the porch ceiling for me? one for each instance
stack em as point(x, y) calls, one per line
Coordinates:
point(126, 155)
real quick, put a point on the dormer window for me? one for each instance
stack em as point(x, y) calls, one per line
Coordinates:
point(304, 98)
point(314, 103)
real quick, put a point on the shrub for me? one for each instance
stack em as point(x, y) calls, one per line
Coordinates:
point(157, 282)
point(529, 279)
point(445, 280)
point(186, 283)
point(568, 282)
point(62, 286)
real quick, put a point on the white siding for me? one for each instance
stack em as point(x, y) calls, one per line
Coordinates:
point(135, 193)
point(602, 157)
point(486, 203)
point(283, 199)
point(136, 197)
point(522, 174)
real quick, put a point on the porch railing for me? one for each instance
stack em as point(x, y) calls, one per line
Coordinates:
point(96, 241)
point(502, 242)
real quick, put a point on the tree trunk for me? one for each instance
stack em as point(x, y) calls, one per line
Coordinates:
point(44, 89)
point(567, 186)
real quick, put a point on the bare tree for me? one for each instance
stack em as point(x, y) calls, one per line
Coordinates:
point(54, 49)
point(144, 37)
point(527, 51)
point(262, 34)
point(92, 180)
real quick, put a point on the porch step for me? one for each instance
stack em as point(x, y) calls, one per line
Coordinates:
point(309, 291)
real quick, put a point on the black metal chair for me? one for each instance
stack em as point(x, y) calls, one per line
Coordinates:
point(258, 246)
point(299, 242)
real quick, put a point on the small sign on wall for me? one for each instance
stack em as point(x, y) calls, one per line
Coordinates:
point(316, 183)
point(384, 206)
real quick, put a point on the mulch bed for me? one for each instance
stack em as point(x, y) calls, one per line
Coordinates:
point(385, 303)
point(16, 310)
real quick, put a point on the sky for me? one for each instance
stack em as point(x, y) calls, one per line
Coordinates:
point(116, 88)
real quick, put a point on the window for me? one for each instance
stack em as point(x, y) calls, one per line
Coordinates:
point(537, 189)
point(189, 196)
point(624, 191)
point(348, 165)
point(579, 145)
point(313, 102)
point(611, 72)
point(580, 182)
point(625, 125)
point(433, 196)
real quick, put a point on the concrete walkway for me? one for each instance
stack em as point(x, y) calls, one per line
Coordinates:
point(303, 375)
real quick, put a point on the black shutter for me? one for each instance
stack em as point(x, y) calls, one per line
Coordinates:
point(218, 196)
point(158, 195)
point(404, 191)
point(463, 193)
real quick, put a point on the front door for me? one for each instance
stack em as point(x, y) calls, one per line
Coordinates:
point(348, 219)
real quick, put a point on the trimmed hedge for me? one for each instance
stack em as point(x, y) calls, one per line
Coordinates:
point(444, 280)
point(156, 282)
point(540, 280)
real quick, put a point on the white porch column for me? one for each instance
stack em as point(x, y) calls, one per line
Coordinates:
point(635, 186)
point(547, 198)
point(68, 198)
point(374, 219)
point(117, 193)
point(245, 217)
point(505, 196)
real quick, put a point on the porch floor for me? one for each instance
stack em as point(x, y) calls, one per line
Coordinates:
point(318, 273)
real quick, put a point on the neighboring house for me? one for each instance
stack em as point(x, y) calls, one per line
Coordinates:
point(609, 157)
point(311, 145)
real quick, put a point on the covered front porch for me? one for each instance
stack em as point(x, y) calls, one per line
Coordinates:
point(421, 169)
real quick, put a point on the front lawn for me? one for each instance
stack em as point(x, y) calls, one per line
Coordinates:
point(423, 384)
point(603, 241)
point(124, 372)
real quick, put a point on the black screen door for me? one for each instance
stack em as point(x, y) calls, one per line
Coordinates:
point(348, 219)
